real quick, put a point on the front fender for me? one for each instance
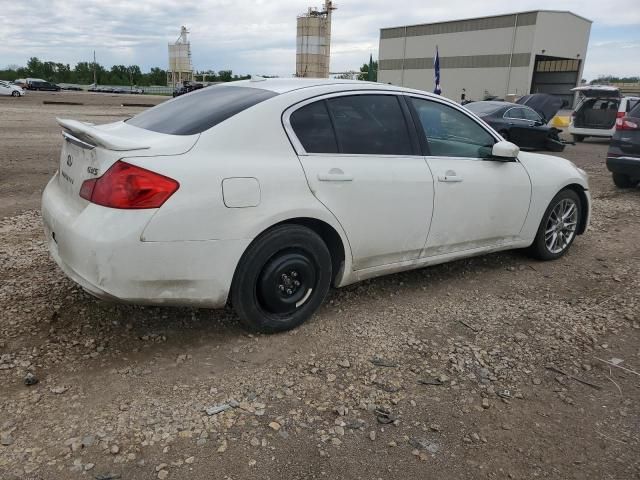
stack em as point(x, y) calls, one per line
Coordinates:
point(549, 175)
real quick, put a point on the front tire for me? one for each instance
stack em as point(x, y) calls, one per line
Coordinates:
point(15, 94)
point(578, 138)
point(623, 181)
point(282, 279)
point(558, 227)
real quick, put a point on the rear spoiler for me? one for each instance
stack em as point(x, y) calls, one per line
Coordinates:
point(88, 133)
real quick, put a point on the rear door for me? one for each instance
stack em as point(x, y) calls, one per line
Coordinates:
point(479, 202)
point(363, 163)
point(5, 89)
point(520, 127)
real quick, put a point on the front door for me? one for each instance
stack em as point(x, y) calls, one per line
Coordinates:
point(479, 202)
point(361, 163)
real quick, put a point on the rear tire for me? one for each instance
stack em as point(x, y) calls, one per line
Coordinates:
point(623, 181)
point(578, 138)
point(282, 279)
point(558, 227)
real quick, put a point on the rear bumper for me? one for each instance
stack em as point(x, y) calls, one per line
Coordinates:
point(591, 132)
point(629, 166)
point(100, 249)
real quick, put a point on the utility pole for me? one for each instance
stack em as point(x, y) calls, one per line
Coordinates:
point(94, 68)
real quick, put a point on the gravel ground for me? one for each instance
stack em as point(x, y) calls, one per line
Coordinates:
point(492, 367)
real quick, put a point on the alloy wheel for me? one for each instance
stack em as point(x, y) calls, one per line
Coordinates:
point(561, 226)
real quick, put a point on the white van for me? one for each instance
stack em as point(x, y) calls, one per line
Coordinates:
point(600, 107)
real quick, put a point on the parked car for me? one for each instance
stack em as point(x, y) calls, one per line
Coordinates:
point(43, 85)
point(525, 122)
point(186, 88)
point(623, 158)
point(266, 193)
point(70, 86)
point(7, 88)
point(599, 108)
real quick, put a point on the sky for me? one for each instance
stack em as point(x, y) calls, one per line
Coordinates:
point(258, 36)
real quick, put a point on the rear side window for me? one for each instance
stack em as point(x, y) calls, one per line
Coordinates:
point(312, 126)
point(370, 124)
point(635, 111)
point(531, 115)
point(198, 111)
point(516, 113)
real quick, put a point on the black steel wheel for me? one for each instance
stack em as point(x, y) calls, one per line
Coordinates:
point(282, 278)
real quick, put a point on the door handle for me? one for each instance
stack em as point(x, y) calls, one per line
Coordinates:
point(335, 175)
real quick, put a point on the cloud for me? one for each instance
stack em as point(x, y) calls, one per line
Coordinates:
point(258, 36)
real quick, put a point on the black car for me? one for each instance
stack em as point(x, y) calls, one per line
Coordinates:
point(46, 86)
point(186, 88)
point(623, 158)
point(525, 122)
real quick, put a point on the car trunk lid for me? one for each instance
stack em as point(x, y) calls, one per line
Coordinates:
point(544, 104)
point(90, 150)
point(598, 91)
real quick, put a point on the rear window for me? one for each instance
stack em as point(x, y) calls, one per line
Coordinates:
point(198, 111)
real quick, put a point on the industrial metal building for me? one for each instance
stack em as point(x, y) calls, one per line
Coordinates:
point(541, 51)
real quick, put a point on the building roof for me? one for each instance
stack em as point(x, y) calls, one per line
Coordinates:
point(508, 14)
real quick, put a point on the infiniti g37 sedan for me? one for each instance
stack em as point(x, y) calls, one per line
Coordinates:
point(265, 193)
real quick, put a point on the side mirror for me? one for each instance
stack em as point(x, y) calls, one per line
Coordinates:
point(505, 151)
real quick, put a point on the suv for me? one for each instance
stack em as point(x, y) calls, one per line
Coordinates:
point(599, 109)
point(623, 158)
point(42, 85)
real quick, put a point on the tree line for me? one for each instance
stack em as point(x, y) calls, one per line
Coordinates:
point(82, 74)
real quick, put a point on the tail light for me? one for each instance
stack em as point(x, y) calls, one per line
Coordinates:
point(627, 123)
point(129, 187)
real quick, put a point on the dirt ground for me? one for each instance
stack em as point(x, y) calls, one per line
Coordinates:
point(492, 367)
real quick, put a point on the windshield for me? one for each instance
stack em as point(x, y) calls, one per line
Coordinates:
point(482, 108)
point(200, 110)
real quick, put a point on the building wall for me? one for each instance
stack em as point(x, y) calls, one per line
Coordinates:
point(475, 54)
point(562, 34)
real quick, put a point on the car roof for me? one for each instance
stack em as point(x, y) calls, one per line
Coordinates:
point(285, 85)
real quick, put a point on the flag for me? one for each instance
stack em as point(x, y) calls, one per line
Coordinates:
point(370, 71)
point(436, 68)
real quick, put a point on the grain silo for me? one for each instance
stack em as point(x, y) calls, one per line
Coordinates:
point(180, 68)
point(313, 47)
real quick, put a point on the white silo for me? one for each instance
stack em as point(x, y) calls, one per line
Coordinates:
point(180, 67)
point(313, 46)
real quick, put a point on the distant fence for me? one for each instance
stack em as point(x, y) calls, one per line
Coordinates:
point(150, 90)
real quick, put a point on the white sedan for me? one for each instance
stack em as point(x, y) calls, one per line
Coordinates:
point(7, 88)
point(265, 193)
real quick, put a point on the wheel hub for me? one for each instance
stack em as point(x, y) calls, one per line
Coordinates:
point(285, 282)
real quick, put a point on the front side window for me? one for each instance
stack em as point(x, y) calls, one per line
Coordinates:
point(312, 126)
point(451, 133)
point(370, 124)
point(198, 111)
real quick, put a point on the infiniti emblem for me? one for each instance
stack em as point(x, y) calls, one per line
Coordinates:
point(69, 160)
